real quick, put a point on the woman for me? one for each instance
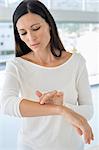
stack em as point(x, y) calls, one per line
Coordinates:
point(45, 85)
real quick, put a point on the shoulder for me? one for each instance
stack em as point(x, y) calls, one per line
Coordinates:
point(79, 58)
point(80, 63)
point(12, 64)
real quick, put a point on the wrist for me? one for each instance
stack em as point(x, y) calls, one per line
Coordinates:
point(65, 111)
point(62, 110)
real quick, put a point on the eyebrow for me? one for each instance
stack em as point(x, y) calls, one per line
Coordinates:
point(30, 26)
point(35, 24)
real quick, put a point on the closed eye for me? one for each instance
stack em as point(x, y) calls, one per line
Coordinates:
point(35, 29)
point(23, 33)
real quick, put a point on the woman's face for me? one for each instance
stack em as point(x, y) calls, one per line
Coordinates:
point(34, 31)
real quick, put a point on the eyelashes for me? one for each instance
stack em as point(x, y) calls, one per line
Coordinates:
point(23, 33)
point(33, 29)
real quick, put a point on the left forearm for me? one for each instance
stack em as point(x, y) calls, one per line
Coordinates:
point(84, 110)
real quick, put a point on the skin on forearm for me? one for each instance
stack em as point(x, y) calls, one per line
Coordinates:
point(33, 109)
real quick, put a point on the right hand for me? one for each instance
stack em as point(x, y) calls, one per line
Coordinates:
point(51, 97)
point(80, 124)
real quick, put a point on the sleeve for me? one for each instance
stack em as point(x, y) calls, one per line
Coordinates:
point(10, 99)
point(84, 105)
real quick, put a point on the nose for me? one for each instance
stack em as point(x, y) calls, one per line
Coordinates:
point(31, 37)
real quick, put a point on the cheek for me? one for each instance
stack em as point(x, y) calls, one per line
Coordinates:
point(45, 36)
point(22, 38)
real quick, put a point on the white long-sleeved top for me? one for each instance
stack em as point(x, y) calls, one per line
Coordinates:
point(23, 78)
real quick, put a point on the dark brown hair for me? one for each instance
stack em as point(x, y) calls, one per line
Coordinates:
point(35, 6)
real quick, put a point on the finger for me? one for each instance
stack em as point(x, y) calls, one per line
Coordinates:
point(59, 93)
point(42, 99)
point(79, 131)
point(51, 93)
point(88, 136)
point(47, 96)
point(49, 102)
point(38, 93)
point(92, 136)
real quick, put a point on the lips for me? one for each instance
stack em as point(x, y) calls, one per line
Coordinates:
point(35, 44)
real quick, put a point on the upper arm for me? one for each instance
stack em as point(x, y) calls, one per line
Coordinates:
point(10, 92)
point(82, 84)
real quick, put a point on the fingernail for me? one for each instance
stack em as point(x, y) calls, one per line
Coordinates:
point(41, 102)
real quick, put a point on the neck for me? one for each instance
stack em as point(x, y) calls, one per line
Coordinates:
point(44, 58)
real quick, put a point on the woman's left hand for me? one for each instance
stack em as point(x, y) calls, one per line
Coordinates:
point(52, 97)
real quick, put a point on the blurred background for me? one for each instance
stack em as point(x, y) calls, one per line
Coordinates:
point(78, 25)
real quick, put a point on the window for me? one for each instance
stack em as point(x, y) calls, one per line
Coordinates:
point(81, 5)
point(6, 43)
point(83, 38)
